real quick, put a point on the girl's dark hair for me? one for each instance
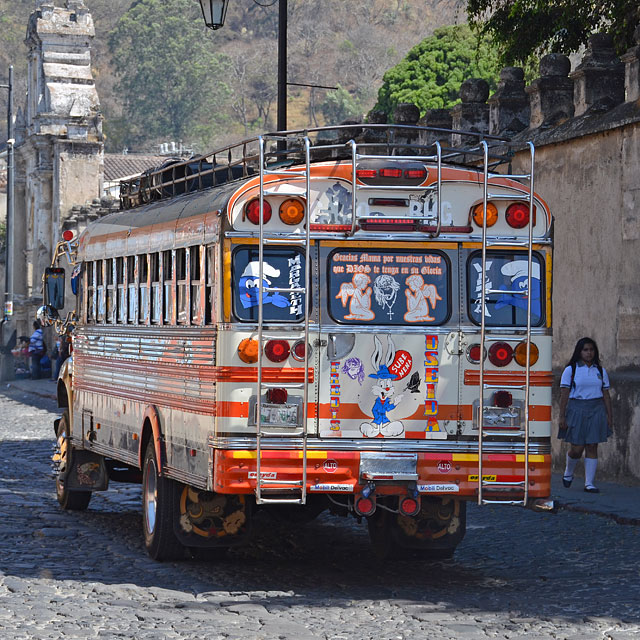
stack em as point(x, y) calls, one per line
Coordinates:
point(576, 357)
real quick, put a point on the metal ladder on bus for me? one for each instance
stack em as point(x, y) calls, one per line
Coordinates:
point(282, 491)
point(523, 430)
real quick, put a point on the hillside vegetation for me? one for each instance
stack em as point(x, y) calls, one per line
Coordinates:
point(161, 75)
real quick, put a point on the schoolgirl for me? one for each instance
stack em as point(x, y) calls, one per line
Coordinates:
point(585, 411)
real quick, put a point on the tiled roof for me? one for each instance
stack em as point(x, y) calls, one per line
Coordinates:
point(118, 166)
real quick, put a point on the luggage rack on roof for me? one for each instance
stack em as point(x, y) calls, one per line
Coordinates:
point(241, 160)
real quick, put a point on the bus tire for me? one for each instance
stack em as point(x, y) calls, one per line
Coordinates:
point(158, 511)
point(68, 500)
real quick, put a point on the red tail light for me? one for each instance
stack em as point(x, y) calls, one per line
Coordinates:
point(502, 399)
point(67, 235)
point(500, 354)
point(298, 350)
point(252, 211)
point(365, 506)
point(409, 506)
point(473, 353)
point(517, 215)
point(390, 172)
point(277, 396)
point(366, 173)
point(277, 350)
point(415, 174)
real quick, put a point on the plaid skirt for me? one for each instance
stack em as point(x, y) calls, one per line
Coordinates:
point(586, 422)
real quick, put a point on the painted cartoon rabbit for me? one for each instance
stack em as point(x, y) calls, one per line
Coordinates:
point(384, 392)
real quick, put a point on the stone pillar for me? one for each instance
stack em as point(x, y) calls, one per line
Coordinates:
point(438, 119)
point(472, 114)
point(61, 151)
point(598, 82)
point(551, 95)
point(509, 106)
point(408, 114)
point(631, 61)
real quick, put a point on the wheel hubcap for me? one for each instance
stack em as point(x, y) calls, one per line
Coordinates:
point(150, 497)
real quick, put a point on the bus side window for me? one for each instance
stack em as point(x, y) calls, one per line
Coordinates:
point(122, 292)
point(197, 284)
point(182, 284)
point(209, 285)
point(100, 290)
point(156, 288)
point(111, 298)
point(167, 275)
point(143, 269)
point(132, 286)
point(91, 301)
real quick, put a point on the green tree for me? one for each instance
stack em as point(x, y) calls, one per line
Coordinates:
point(431, 73)
point(340, 105)
point(172, 84)
point(521, 28)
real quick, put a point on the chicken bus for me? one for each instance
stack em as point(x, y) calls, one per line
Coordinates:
point(347, 318)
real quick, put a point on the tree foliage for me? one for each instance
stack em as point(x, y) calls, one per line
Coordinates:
point(173, 84)
point(521, 28)
point(340, 105)
point(431, 73)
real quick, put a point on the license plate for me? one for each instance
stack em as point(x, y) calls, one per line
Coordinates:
point(279, 415)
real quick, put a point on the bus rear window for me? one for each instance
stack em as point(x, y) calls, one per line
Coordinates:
point(282, 268)
point(507, 272)
point(389, 287)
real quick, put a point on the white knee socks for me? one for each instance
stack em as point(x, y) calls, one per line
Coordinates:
point(571, 466)
point(590, 465)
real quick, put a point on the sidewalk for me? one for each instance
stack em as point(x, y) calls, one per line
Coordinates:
point(616, 501)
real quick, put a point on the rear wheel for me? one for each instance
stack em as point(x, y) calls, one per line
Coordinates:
point(62, 459)
point(158, 511)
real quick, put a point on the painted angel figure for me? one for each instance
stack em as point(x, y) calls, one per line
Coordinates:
point(360, 293)
point(419, 297)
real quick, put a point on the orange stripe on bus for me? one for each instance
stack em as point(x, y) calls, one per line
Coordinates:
point(537, 378)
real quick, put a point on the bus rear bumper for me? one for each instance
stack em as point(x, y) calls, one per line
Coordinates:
point(452, 474)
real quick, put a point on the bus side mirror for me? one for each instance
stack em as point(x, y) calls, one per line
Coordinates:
point(54, 287)
point(47, 315)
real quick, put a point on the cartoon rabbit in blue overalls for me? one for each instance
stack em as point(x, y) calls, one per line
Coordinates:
point(384, 390)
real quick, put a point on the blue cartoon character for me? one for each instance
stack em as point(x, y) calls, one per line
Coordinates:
point(249, 286)
point(517, 270)
point(384, 392)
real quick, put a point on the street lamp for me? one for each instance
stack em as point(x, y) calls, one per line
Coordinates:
point(214, 12)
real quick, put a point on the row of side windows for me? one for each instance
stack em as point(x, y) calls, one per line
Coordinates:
point(166, 287)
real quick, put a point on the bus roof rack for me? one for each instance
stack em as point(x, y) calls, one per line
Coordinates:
point(240, 160)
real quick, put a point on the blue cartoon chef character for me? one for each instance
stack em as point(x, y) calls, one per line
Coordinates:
point(384, 392)
point(518, 271)
point(249, 286)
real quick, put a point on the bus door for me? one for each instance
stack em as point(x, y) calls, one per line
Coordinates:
point(391, 363)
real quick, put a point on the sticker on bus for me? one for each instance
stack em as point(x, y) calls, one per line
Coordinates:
point(345, 488)
point(439, 487)
point(474, 478)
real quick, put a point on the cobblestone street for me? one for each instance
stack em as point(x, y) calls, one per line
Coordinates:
point(86, 574)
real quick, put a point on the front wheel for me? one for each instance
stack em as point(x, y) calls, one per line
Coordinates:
point(158, 511)
point(62, 460)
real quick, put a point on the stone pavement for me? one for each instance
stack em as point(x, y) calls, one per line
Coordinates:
point(616, 501)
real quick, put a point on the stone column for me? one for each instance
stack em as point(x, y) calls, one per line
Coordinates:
point(407, 114)
point(551, 95)
point(472, 114)
point(631, 61)
point(598, 82)
point(438, 119)
point(509, 106)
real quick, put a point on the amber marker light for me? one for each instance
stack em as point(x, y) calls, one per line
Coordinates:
point(291, 211)
point(248, 351)
point(521, 354)
point(492, 214)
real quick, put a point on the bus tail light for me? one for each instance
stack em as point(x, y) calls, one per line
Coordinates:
point(415, 174)
point(500, 354)
point(277, 396)
point(252, 211)
point(390, 172)
point(473, 354)
point(492, 214)
point(521, 354)
point(298, 351)
point(291, 211)
point(248, 351)
point(366, 174)
point(502, 399)
point(517, 215)
point(277, 350)
point(409, 506)
point(67, 235)
point(365, 506)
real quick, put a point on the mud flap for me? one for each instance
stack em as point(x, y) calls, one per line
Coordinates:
point(87, 472)
point(207, 519)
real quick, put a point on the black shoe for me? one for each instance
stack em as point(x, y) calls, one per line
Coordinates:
point(592, 489)
point(567, 481)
